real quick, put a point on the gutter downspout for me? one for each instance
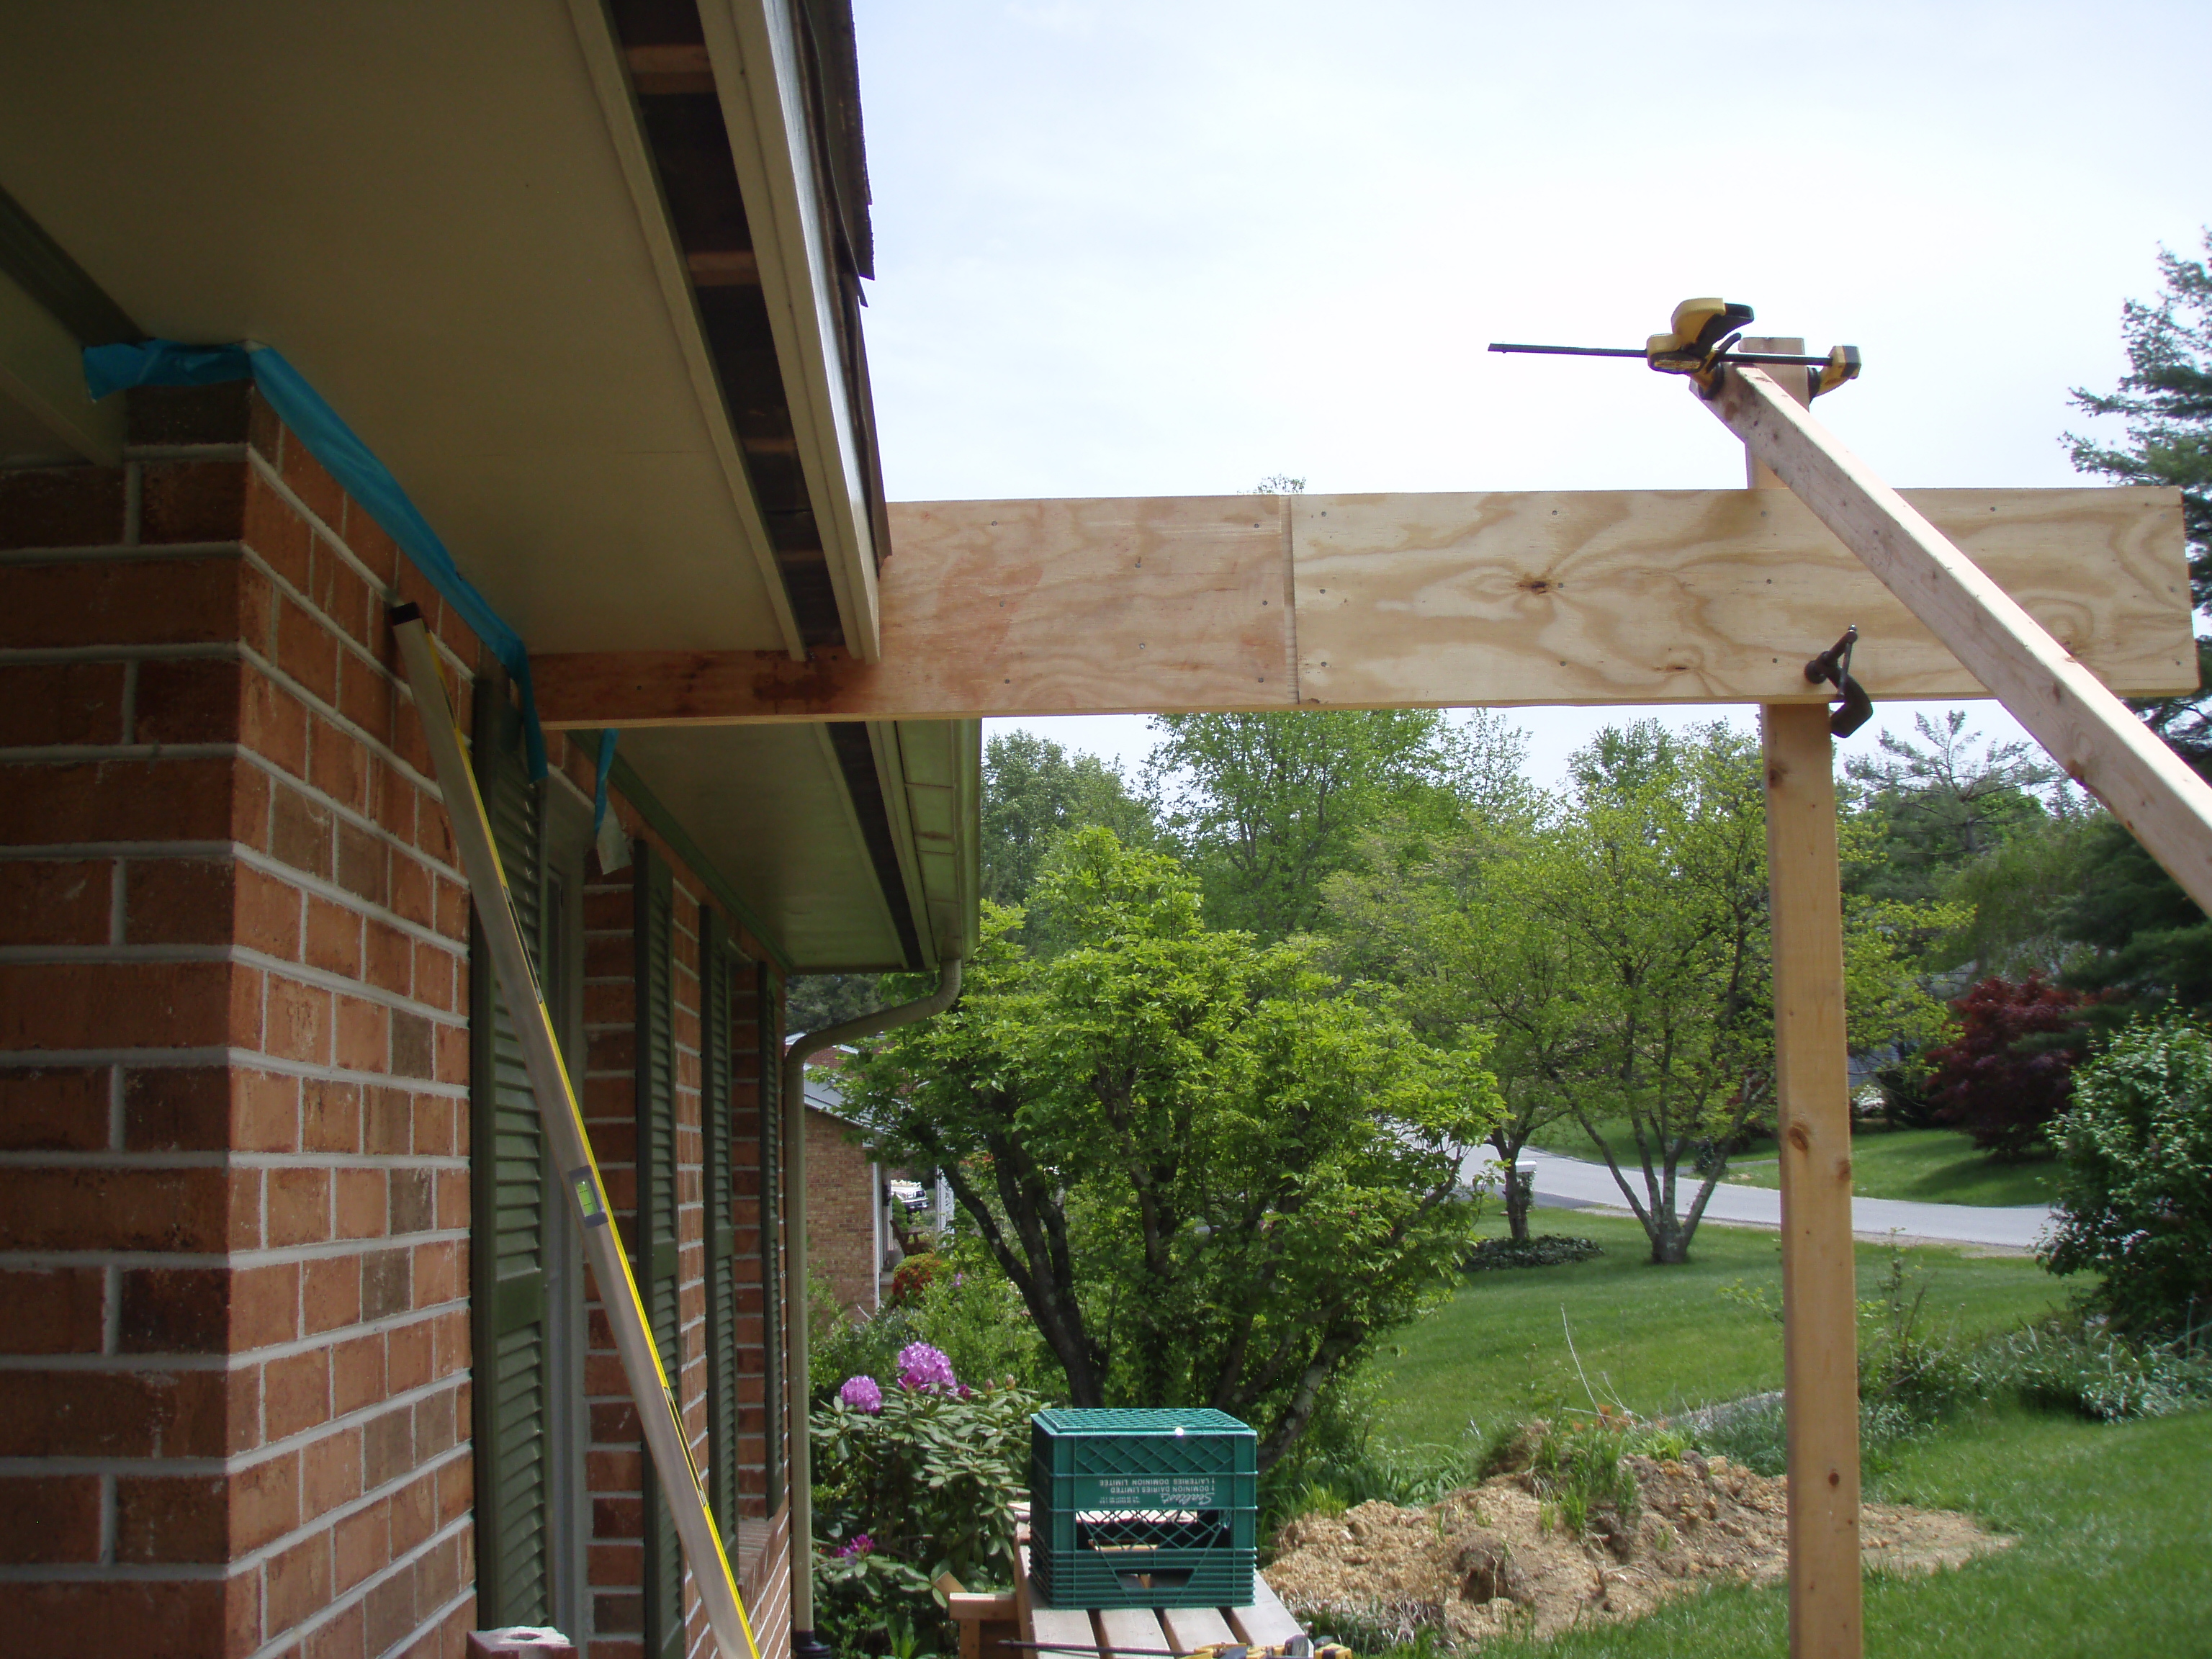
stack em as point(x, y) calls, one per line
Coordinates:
point(804, 1644)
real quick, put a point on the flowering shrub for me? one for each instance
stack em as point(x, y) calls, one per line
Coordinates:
point(912, 1483)
point(913, 1276)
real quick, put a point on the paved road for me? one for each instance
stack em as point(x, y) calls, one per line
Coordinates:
point(1575, 1183)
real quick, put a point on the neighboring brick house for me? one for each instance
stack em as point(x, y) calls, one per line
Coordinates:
point(300, 1360)
point(845, 1237)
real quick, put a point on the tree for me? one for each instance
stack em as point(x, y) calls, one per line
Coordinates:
point(1267, 807)
point(1651, 891)
point(1033, 793)
point(816, 1000)
point(1212, 1181)
point(1935, 807)
point(2010, 1072)
point(2151, 942)
point(2135, 1195)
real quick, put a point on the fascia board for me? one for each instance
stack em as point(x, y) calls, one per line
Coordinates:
point(42, 368)
point(884, 737)
point(753, 49)
point(610, 82)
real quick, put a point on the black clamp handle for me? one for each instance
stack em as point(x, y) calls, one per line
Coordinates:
point(1833, 667)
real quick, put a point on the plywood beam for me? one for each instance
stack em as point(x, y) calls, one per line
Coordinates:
point(1592, 597)
point(2046, 683)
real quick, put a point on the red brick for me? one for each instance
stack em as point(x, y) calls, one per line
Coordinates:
point(452, 1054)
point(345, 595)
point(264, 1501)
point(179, 415)
point(172, 1518)
point(133, 1209)
point(360, 863)
point(196, 700)
point(298, 1021)
point(452, 1199)
point(175, 1310)
point(361, 1202)
point(365, 696)
point(267, 916)
point(330, 1116)
point(107, 1005)
point(179, 901)
point(331, 1292)
point(358, 1374)
point(440, 1130)
point(191, 502)
point(344, 1637)
point(298, 1583)
point(116, 800)
point(120, 602)
point(413, 1205)
point(265, 1111)
point(456, 1488)
point(54, 1109)
point(407, 1356)
point(413, 1052)
point(52, 1310)
point(370, 543)
point(264, 1306)
point(330, 1471)
point(61, 507)
point(387, 1446)
point(274, 724)
point(54, 902)
point(389, 1610)
point(306, 650)
point(453, 909)
point(296, 1393)
point(360, 1545)
point(301, 832)
point(299, 1207)
point(244, 1209)
point(387, 1284)
point(388, 1122)
point(333, 937)
point(304, 474)
point(360, 1036)
point(275, 530)
point(436, 977)
point(69, 1619)
point(413, 891)
point(61, 702)
point(339, 764)
point(177, 1109)
point(437, 1273)
point(113, 1414)
point(414, 1513)
point(389, 957)
point(47, 1520)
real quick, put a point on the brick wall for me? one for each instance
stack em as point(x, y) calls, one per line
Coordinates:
point(234, 1201)
point(234, 1405)
point(841, 1211)
point(615, 1458)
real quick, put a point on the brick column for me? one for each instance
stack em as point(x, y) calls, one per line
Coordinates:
point(233, 1192)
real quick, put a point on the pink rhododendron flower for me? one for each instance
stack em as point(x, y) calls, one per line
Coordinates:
point(862, 1394)
point(921, 1367)
point(862, 1544)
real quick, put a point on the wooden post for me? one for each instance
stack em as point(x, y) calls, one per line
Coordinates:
point(1819, 1335)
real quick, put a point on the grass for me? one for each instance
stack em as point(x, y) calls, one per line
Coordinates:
point(1659, 1340)
point(2111, 1521)
point(1569, 1139)
point(1930, 1166)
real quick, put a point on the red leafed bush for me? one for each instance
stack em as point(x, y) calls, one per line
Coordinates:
point(2011, 1069)
point(913, 1277)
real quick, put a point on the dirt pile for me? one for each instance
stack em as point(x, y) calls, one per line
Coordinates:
point(1497, 1558)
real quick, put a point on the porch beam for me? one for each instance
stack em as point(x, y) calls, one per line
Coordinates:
point(1257, 602)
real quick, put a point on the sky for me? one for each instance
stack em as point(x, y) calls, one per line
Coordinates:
point(1155, 248)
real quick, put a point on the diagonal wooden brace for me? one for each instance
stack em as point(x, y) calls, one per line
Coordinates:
point(658, 1413)
point(2088, 731)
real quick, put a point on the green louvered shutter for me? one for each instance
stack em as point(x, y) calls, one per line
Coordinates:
point(513, 1373)
point(771, 1230)
point(717, 973)
point(654, 915)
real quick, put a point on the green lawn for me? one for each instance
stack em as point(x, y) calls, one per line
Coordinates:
point(1658, 1338)
point(1570, 1140)
point(2112, 1522)
point(1932, 1166)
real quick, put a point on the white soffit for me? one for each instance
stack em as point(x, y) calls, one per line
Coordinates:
point(422, 206)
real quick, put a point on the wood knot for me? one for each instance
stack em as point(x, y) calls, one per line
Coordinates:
point(1799, 1138)
point(1536, 584)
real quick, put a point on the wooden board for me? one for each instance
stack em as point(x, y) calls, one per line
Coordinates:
point(1189, 1629)
point(1702, 596)
point(1129, 1630)
point(1225, 602)
point(1267, 1620)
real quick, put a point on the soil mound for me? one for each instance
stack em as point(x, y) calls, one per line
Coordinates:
point(1495, 1559)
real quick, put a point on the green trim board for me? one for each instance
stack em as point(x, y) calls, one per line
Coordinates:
point(657, 1255)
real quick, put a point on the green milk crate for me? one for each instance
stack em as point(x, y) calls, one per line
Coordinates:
point(1143, 1509)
